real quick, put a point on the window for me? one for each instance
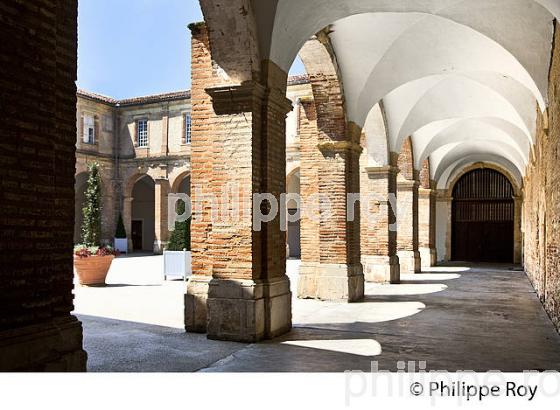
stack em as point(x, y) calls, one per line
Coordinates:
point(142, 136)
point(188, 128)
point(89, 129)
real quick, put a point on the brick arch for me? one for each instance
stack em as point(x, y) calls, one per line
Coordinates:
point(178, 180)
point(425, 180)
point(231, 27)
point(319, 60)
point(330, 155)
point(458, 174)
point(405, 162)
point(132, 180)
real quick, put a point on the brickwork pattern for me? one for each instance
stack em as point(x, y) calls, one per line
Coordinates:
point(239, 139)
point(541, 211)
point(309, 183)
point(338, 160)
point(407, 210)
point(37, 166)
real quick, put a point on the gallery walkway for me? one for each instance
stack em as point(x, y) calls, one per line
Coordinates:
point(453, 318)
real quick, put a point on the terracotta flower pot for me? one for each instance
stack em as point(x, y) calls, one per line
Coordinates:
point(93, 270)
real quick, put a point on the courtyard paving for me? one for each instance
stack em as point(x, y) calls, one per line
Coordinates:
point(453, 318)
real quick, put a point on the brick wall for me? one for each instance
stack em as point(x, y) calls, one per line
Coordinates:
point(309, 182)
point(37, 166)
point(541, 216)
point(338, 158)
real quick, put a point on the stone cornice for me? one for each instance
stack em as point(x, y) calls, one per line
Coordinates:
point(339, 147)
point(385, 170)
point(407, 184)
point(238, 98)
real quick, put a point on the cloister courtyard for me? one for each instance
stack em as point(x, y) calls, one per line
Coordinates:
point(451, 317)
point(395, 200)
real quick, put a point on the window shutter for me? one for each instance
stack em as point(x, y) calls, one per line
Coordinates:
point(135, 133)
point(184, 133)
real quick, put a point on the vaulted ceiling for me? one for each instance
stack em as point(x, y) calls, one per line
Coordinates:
point(464, 78)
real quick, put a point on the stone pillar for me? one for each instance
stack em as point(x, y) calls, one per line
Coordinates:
point(407, 219)
point(444, 207)
point(127, 221)
point(426, 227)
point(161, 191)
point(379, 234)
point(248, 298)
point(331, 267)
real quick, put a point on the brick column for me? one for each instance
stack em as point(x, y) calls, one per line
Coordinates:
point(379, 234)
point(201, 174)
point(426, 226)
point(407, 218)
point(309, 188)
point(242, 128)
point(249, 297)
point(37, 174)
point(161, 192)
point(331, 267)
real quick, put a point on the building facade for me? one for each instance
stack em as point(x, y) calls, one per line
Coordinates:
point(143, 146)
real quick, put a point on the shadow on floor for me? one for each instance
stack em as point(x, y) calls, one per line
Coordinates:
point(478, 318)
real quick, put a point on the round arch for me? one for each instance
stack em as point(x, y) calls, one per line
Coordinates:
point(461, 171)
point(178, 181)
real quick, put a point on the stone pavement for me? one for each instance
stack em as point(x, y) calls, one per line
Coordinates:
point(453, 318)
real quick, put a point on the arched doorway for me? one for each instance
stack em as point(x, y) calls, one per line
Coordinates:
point(483, 217)
point(143, 215)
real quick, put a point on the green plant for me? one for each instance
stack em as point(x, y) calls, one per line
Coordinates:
point(121, 232)
point(91, 226)
point(181, 236)
point(82, 251)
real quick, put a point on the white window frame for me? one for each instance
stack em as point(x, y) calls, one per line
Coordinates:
point(142, 133)
point(89, 136)
point(188, 128)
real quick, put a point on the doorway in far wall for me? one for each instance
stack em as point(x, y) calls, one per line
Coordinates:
point(137, 235)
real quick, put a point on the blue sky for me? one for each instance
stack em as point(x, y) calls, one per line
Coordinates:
point(129, 48)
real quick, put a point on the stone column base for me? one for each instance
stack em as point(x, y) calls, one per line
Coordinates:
point(55, 346)
point(428, 256)
point(249, 310)
point(196, 313)
point(410, 262)
point(382, 269)
point(331, 282)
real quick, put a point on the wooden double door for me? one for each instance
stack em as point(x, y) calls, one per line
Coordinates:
point(483, 218)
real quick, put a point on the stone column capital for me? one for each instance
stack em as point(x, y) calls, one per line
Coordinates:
point(407, 184)
point(238, 98)
point(425, 192)
point(381, 171)
point(336, 147)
